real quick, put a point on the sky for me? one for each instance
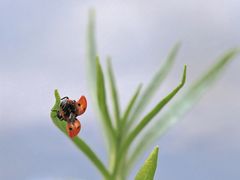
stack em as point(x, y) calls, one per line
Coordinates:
point(43, 47)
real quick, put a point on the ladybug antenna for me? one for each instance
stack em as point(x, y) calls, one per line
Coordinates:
point(65, 98)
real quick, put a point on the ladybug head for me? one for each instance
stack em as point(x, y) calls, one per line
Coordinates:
point(73, 128)
point(81, 105)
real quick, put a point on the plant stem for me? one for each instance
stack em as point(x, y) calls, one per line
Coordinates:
point(92, 156)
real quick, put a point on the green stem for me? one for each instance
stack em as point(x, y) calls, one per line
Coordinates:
point(92, 156)
point(118, 145)
point(115, 171)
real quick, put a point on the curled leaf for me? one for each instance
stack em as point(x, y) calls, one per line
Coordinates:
point(182, 105)
point(154, 85)
point(154, 112)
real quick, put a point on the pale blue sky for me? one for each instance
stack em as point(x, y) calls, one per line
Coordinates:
point(42, 47)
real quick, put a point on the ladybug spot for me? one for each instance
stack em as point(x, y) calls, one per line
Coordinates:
point(79, 104)
point(70, 128)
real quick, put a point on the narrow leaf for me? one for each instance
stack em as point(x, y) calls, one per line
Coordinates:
point(149, 117)
point(60, 124)
point(154, 112)
point(91, 67)
point(81, 145)
point(181, 106)
point(154, 84)
point(119, 158)
point(193, 94)
point(91, 155)
point(148, 169)
point(102, 102)
point(91, 55)
point(114, 93)
point(138, 150)
point(130, 105)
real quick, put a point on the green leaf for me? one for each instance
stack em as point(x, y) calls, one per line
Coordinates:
point(146, 120)
point(193, 94)
point(81, 145)
point(130, 105)
point(138, 150)
point(60, 124)
point(154, 84)
point(102, 103)
point(114, 93)
point(181, 106)
point(154, 112)
point(147, 171)
point(91, 155)
point(91, 55)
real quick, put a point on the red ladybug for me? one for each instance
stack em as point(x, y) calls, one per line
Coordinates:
point(81, 105)
point(73, 128)
point(69, 110)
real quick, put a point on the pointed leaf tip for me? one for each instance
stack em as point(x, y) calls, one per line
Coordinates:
point(56, 93)
point(97, 59)
point(147, 171)
point(155, 83)
point(184, 74)
point(91, 13)
point(176, 47)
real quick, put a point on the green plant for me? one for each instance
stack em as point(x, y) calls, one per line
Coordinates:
point(122, 129)
point(148, 169)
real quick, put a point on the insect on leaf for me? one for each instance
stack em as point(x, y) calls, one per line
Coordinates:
point(80, 144)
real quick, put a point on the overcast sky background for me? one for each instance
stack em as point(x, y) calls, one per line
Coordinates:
point(42, 47)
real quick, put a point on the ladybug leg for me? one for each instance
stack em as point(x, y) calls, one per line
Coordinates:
point(65, 98)
point(59, 116)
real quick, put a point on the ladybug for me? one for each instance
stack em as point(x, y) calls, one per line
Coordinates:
point(81, 105)
point(73, 128)
point(69, 110)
